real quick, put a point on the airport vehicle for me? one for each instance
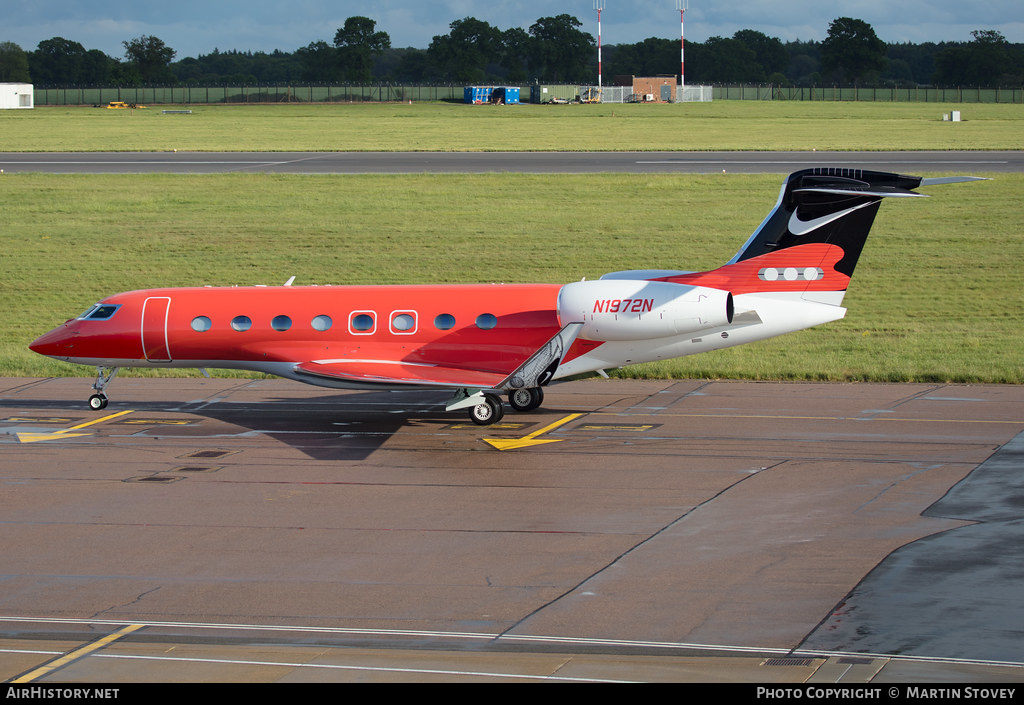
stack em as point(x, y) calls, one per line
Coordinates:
point(484, 341)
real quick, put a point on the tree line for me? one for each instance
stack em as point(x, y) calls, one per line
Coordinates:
point(551, 50)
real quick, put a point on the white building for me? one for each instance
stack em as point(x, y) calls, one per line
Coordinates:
point(16, 95)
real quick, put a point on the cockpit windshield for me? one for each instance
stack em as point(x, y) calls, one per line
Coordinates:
point(99, 312)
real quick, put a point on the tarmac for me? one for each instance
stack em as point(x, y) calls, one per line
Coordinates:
point(240, 530)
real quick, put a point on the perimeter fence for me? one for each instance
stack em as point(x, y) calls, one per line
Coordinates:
point(392, 93)
point(881, 94)
point(242, 94)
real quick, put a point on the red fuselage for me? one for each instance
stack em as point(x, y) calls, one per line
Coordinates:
point(474, 327)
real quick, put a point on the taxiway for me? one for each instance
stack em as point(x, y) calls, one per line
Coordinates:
point(962, 162)
point(235, 529)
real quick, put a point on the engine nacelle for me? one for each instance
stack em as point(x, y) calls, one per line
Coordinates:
point(639, 310)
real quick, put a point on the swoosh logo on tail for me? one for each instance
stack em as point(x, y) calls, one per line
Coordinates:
point(802, 227)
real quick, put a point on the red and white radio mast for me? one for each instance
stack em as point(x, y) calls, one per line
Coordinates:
point(681, 5)
point(599, 5)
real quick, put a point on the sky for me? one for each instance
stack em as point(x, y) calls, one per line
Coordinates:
point(194, 27)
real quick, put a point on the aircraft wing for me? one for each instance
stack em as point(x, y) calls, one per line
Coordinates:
point(535, 371)
point(387, 373)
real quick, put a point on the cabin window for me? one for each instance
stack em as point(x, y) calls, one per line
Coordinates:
point(362, 322)
point(241, 323)
point(403, 322)
point(486, 321)
point(201, 324)
point(444, 321)
point(100, 312)
point(322, 322)
point(281, 323)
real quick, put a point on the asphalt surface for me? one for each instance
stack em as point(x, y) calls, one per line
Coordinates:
point(266, 531)
point(263, 531)
point(510, 162)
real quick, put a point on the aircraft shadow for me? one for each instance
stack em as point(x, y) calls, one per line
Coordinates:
point(349, 425)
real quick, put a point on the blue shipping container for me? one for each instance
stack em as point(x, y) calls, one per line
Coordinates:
point(478, 95)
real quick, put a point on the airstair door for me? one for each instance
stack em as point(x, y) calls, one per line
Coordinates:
point(154, 329)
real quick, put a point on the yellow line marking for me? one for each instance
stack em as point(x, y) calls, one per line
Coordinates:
point(531, 438)
point(35, 419)
point(868, 417)
point(81, 652)
point(616, 427)
point(67, 432)
point(159, 422)
point(95, 421)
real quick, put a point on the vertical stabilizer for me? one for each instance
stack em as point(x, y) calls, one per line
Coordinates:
point(809, 244)
point(834, 206)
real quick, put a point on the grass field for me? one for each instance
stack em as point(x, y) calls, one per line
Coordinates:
point(936, 297)
point(722, 125)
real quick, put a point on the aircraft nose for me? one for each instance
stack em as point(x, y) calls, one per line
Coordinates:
point(57, 343)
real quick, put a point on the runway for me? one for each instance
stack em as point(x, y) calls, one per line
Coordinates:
point(501, 162)
point(247, 530)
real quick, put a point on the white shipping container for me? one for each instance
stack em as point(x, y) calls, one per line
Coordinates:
point(14, 96)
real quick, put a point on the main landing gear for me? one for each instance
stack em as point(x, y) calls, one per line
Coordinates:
point(104, 377)
point(525, 399)
point(488, 408)
point(487, 411)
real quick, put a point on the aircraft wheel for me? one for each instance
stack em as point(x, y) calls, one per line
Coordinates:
point(97, 402)
point(487, 412)
point(525, 399)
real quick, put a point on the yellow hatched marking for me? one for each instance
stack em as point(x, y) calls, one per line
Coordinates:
point(78, 653)
point(68, 432)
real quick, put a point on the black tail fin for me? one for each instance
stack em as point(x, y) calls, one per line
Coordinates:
point(830, 205)
point(809, 244)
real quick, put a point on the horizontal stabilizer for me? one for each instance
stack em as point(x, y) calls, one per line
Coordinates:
point(950, 180)
point(875, 191)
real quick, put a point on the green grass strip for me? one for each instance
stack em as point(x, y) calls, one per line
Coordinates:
point(936, 296)
point(722, 125)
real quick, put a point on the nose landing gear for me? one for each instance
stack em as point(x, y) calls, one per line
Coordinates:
point(104, 376)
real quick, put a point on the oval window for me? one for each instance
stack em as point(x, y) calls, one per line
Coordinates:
point(444, 321)
point(201, 324)
point(322, 322)
point(241, 323)
point(281, 323)
point(486, 321)
point(403, 322)
point(362, 323)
